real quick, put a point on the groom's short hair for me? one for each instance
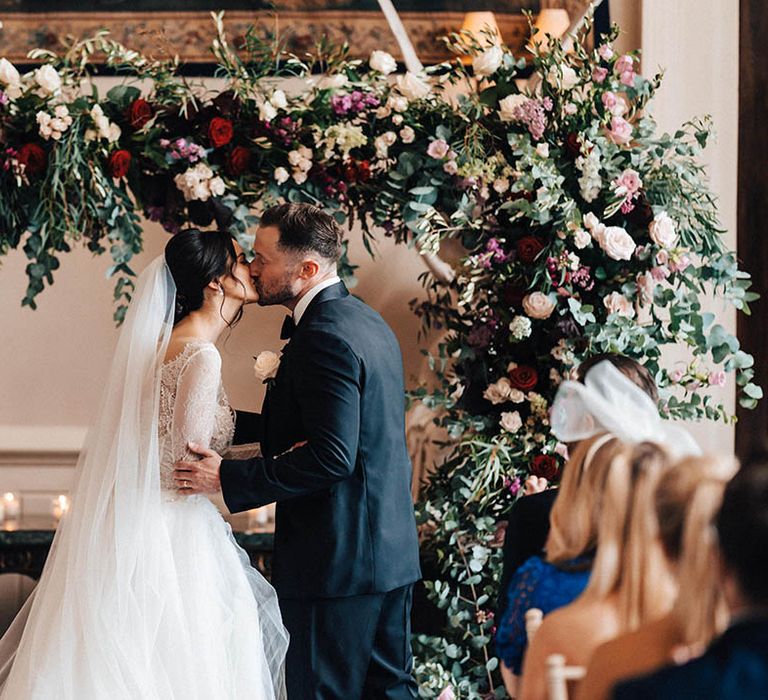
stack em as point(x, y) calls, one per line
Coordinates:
point(304, 228)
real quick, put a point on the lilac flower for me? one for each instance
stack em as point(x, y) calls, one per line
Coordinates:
point(494, 247)
point(533, 114)
point(3, 99)
point(512, 485)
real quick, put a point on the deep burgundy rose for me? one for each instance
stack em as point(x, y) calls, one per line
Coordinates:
point(220, 131)
point(139, 113)
point(545, 467)
point(523, 378)
point(528, 248)
point(33, 157)
point(513, 295)
point(572, 145)
point(118, 163)
point(238, 161)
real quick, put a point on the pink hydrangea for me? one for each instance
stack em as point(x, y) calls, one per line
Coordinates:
point(717, 378)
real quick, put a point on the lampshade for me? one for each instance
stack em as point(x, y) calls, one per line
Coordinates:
point(479, 24)
point(554, 22)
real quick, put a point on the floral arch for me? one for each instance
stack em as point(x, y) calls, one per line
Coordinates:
point(584, 231)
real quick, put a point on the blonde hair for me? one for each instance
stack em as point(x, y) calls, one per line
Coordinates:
point(687, 501)
point(630, 563)
point(575, 515)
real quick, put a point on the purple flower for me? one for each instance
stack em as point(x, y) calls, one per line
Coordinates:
point(3, 99)
point(512, 485)
point(532, 114)
point(481, 336)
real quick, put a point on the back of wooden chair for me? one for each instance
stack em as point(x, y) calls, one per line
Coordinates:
point(558, 675)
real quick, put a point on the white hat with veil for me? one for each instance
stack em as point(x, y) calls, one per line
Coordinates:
point(609, 402)
point(108, 594)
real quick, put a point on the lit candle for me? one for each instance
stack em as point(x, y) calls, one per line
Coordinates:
point(11, 506)
point(60, 506)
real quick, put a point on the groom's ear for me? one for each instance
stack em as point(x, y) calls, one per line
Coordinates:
point(309, 268)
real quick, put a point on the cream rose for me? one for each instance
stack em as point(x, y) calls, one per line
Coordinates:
point(267, 111)
point(564, 76)
point(48, 79)
point(662, 230)
point(511, 421)
point(538, 305)
point(329, 82)
point(508, 106)
point(499, 392)
point(617, 243)
point(407, 134)
point(279, 99)
point(382, 62)
point(266, 365)
point(9, 76)
point(487, 62)
point(412, 86)
point(617, 303)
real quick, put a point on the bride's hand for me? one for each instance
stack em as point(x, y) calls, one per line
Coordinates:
point(201, 476)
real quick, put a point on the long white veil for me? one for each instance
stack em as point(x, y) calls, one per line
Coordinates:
point(109, 593)
point(609, 402)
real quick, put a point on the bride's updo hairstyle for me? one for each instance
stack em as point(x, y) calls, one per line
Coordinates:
point(196, 258)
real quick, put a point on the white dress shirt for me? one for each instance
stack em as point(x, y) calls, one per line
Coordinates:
point(303, 303)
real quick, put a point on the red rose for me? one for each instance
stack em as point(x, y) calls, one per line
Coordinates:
point(118, 163)
point(220, 131)
point(572, 145)
point(545, 467)
point(33, 157)
point(528, 248)
point(139, 113)
point(523, 378)
point(238, 160)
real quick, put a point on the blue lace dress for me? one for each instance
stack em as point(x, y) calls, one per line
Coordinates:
point(537, 584)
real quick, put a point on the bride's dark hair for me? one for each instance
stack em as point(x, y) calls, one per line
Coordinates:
point(195, 258)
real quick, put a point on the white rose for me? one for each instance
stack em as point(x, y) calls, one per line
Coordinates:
point(538, 305)
point(564, 76)
point(62, 112)
point(499, 392)
point(509, 105)
point(217, 187)
point(8, 73)
point(199, 190)
point(581, 239)
point(617, 243)
point(488, 62)
point(278, 99)
point(542, 150)
point(281, 175)
point(266, 365)
point(617, 303)
point(590, 221)
point(267, 111)
point(113, 133)
point(511, 421)
point(407, 134)
point(48, 79)
point(413, 86)
point(662, 230)
point(382, 62)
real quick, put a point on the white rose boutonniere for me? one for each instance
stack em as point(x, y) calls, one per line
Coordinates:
point(266, 365)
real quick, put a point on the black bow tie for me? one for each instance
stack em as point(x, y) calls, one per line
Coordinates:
point(288, 327)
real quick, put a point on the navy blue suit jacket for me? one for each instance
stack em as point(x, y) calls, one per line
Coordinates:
point(735, 667)
point(344, 521)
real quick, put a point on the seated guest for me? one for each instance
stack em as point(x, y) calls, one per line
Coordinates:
point(687, 500)
point(735, 667)
point(630, 582)
point(552, 582)
point(528, 519)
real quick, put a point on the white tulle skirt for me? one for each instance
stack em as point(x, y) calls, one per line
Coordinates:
point(208, 629)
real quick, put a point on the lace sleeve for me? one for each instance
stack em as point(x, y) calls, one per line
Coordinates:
point(511, 637)
point(197, 391)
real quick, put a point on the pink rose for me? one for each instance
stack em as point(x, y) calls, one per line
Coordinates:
point(627, 78)
point(438, 149)
point(620, 131)
point(451, 167)
point(605, 52)
point(676, 375)
point(662, 257)
point(447, 694)
point(624, 64)
point(617, 303)
point(717, 378)
point(630, 181)
point(599, 74)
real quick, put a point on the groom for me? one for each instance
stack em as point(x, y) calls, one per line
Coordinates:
point(346, 550)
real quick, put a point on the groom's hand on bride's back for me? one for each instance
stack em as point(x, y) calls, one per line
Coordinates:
point(199, 476)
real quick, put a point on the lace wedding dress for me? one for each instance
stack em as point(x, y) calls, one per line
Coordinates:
point(146, 595)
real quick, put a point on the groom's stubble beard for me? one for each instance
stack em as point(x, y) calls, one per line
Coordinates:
point(277, 293)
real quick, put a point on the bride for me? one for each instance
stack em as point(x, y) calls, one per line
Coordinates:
point(145, 593)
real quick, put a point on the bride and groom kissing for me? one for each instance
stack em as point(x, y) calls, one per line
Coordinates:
point(145, 593)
